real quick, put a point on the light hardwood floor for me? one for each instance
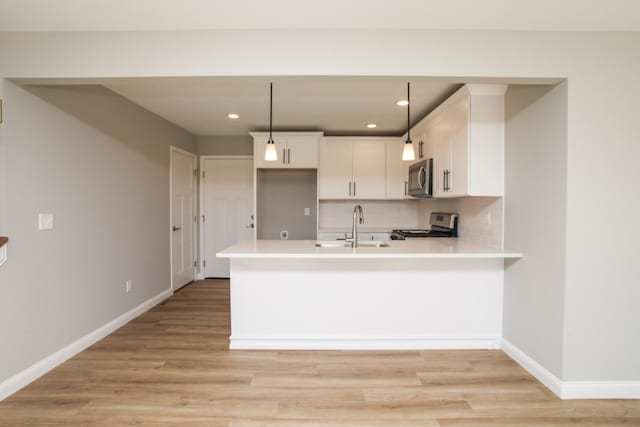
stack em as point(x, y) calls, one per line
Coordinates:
point(171, 366)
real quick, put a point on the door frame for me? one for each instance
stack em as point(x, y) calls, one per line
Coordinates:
point(200, 269)
point(194, 181)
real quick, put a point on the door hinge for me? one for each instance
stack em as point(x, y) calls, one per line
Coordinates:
point(203, 174)
point(204, 262)
point(195, 218)
point(195, 263)
point(195, 173)
point(202, 218)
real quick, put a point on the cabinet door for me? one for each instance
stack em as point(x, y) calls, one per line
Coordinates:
point(334, 170)
point(396, 179)
point(458, 178)
point(442, 154)
point(259, 147)
point(302, 152)
point(369, 164)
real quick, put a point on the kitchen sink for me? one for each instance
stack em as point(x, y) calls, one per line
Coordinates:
point(345, 244)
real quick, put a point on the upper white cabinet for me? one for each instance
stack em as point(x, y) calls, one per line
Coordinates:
point(465, 137)
point(298, 150)
point(397, 171)
point(352, 168)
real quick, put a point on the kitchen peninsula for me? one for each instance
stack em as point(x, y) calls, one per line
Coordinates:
point(414, 294)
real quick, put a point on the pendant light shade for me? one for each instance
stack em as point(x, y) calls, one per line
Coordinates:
point(407, 152)
point(271, 154)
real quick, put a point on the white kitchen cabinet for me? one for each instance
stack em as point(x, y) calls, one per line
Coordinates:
point(397, 171)
point(352, 168)
point(466, 135)
point(297, 150)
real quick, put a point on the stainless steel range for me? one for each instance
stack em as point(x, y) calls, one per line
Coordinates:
point(441, 225)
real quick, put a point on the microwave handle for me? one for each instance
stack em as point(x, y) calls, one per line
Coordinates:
point(421, 173)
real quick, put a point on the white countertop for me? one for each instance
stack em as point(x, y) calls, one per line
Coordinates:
point(404, 249)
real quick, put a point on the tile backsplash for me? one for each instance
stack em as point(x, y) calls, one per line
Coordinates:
point(480, 218)
point(378, 214)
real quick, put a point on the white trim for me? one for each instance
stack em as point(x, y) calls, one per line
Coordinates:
point(201, 245)
point(552, 382)
point(226, 157)
point(33, 372)
point(355, 343)
point(3, 253)
point(573, 389)
point(194, 237)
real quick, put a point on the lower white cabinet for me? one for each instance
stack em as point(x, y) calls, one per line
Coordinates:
point(361, 236)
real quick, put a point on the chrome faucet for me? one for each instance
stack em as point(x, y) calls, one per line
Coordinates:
point(358, 216)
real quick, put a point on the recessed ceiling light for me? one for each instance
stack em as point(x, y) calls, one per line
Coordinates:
point(372, 125)
point(402, 103)
point(233, 116)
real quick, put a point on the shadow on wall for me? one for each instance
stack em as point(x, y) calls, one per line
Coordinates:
point(114, 116)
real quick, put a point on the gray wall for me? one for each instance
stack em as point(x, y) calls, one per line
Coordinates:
point(225, 145)
point(282, 196)
point(535, 221)
point(100, 164)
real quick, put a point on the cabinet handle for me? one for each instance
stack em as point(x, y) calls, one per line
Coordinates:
point(289, 155)
point(444, 180)
point(406, 190)
point(420, 149)
point(283, 156)
point(354, 189)
point(349, 188)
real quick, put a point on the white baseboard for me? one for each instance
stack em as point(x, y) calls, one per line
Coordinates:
point(382, 343)
point(573, 389)
point(600, 390)
point(552, 382)
point(33, 372)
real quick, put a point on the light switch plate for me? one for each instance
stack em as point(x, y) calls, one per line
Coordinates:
point(45, 221)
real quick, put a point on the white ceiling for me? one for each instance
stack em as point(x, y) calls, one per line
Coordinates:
point(145, 15)
point(335, 105)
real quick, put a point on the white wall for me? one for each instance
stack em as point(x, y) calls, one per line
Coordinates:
point(602, 151)
point(100, 164)
point(535, 221)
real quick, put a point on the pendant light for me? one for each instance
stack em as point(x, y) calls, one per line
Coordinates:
point(271, 154)
point(407, 152)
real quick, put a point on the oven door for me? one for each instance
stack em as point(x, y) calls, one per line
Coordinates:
point(420, 182)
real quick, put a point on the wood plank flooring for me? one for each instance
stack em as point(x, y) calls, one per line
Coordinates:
point(171, 366)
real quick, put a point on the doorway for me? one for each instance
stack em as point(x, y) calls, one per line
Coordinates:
point(183, 217)
point(227, 208)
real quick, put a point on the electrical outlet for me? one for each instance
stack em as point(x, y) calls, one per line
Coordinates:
point(307, 211)
point(45, 221)
point(128, 285)
point(284, 235)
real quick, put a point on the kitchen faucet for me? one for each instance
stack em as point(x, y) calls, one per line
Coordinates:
point(358, 216)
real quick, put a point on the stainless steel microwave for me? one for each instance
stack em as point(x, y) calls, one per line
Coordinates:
point(420, 183)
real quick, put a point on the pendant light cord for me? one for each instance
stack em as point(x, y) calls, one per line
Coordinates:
point(270, 111)
point(408, 114)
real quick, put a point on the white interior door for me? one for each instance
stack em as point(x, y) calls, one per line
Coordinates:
point(183, 165)
point(227, 194)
